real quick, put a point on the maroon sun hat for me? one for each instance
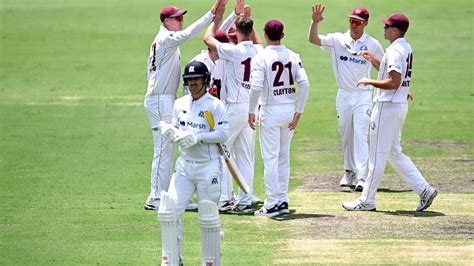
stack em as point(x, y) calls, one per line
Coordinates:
point(171, 12)
point(360, 13)
point(274, 29)
point(398, 21)
point(221, 36)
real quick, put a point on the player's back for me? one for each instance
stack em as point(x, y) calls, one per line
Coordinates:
point(237, 67)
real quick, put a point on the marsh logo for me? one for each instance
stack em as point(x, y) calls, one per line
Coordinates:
point(352, 60)
point(343, 58)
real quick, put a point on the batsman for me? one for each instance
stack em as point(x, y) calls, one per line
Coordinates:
point(198, 168)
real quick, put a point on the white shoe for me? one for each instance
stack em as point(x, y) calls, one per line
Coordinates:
point(357, 205)
point(348, 179)
point(225, 206)
point(191, 206)
point(360, 186)
point(152, 204)
point(426, 198)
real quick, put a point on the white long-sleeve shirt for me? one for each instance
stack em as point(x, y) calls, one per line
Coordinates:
point(274, 73)
point(164, 62)
point(398, 57)
point(347, 65)
point(188, 115)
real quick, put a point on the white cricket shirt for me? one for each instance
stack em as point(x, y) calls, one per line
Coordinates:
point(275, 72)
point(348, 68)
point(399, 57)
point(237, 68)
point(164, 62)
point(188, 115)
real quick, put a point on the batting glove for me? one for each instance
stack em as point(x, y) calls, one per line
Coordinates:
point(168, 131)
point(186, 139)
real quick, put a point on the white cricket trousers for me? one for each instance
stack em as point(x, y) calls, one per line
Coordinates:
point(160, 108)
point(190, 177)
point(353, 115)
point(275, 140)
point(241, 145)
point(385, 134)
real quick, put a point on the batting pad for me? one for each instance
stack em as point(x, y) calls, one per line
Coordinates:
point(169, 231)
point(210, 233)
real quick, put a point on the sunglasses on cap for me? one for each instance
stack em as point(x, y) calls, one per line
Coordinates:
point(356, 22)
point(387, 26)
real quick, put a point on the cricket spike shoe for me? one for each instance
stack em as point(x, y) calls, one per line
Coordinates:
point(242, 208)
point(272, 212)
point(283, 208)
point(348, 179)
point(358, 205)
point(426, 198)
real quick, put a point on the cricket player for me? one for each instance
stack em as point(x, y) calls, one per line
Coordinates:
point(353, 55)
point(163, 75)
point(198, 168)
point(237, 63)
point(274, 74)
point(388, 117)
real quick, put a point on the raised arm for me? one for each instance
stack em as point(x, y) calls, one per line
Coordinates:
point(317, 16)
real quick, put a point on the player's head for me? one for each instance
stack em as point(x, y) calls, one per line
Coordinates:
point(172, 18)
point(395, 26)
point(196, 77)
point(221, 37)
point(244, 25)
point(358, 19)
point(274, 30)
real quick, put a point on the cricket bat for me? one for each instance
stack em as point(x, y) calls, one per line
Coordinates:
point(234, 171)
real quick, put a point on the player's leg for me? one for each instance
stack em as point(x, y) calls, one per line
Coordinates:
point(270, 147)
point(407, 170)
point(344, 119)
point(226, 197)
point(206, 178)
point(244, 150)
point(284, 163)
point(382, 132)
point(361, 120)
point(163, 151)
point(181, 190)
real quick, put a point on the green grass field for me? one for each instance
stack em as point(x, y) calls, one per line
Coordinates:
point(75, 147)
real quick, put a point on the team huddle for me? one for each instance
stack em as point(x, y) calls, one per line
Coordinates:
point(237, 84)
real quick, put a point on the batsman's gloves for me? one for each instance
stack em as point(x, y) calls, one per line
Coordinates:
point(187, 139)
point(167, 131)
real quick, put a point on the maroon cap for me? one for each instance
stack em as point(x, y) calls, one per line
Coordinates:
point(360, 13)
point(221, 37)
point(171, 12)
point(274, 29)
point(398, 21)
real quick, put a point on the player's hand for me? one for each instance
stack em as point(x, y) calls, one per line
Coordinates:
point(247, 11)
point(186, 139)
point(239, 7)
point(410, 96)
point(252, 121)
point(367, 55)
point(363, 81)
point(318, 10)
point(294, 122)
point(167, 131)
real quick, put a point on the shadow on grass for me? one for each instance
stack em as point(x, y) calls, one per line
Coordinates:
point(385, 190)
point(296, 216)
point(413, 213)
